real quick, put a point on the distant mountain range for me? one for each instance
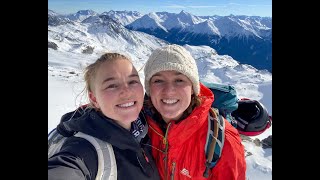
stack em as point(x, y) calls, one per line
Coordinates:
point(248, 39)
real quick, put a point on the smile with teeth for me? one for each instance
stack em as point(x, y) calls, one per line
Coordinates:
point(125, 105)
point(169, 101)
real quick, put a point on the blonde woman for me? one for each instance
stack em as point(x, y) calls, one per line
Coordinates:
point(112, 116)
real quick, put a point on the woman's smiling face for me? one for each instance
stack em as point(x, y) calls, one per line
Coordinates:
point(170, 93)
point(118, 92)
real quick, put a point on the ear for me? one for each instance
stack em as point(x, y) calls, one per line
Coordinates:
point(93, 100)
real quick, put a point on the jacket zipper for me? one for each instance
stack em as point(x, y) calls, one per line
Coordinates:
point(165, 142)
point(145, 155)
point(156, 132)
point(139, 158)
point(173, 169)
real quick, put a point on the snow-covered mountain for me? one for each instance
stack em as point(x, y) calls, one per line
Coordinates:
point(55, 19)
point(73, 44)
point(100, 33)
point(81, 15)
point(97, 34)
point(124, 17)
point(165, 21)
point(246, 38)
point(224, 26)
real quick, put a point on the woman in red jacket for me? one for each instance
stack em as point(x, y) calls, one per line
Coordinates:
point(177, 121)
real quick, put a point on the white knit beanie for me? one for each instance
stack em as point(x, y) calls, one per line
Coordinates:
point(172, 57)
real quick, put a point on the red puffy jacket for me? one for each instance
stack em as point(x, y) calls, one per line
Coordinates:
point(180, 154)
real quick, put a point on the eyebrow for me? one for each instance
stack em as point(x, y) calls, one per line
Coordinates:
point(112, 78)
point(134, 75)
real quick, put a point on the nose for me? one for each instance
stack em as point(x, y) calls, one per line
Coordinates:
point(169, 88)
point(125, 90)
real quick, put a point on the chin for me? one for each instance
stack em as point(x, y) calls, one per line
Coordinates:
point(170, 115)
point(131, 117)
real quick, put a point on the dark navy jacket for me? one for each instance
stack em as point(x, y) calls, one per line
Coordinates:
point(77, 159)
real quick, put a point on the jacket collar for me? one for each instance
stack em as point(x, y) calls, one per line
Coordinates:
point(94, 123)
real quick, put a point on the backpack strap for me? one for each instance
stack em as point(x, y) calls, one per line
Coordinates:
point(107, 166)
point(55, 142)
point(215, 139)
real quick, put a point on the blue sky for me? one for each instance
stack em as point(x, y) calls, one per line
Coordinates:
point(196, 7)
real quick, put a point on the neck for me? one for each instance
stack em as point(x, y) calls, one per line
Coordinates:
point(127, 126)
point(181, 117)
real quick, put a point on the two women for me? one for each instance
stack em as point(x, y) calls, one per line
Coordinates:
point(176, 106)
